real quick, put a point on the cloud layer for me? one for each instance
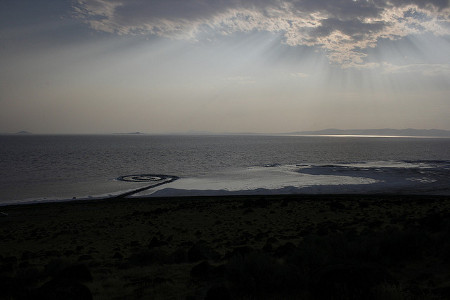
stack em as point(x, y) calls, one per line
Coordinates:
point(343, 29)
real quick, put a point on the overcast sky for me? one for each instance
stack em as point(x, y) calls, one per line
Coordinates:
point(162, 66)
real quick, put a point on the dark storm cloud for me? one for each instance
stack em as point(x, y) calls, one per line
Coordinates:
point(185, 9)
point(342, 28)
point(342, 9)
point(139, 11)
point(440, 4)
point(352, 27)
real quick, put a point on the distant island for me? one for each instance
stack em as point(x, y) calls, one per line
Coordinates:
point(133, 133)
point(378, 132)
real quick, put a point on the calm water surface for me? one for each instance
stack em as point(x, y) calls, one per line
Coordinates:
point(64, 167)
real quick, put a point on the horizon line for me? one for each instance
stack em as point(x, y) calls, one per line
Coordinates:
point(321, 132)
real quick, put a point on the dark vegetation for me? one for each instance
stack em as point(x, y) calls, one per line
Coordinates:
point(402, 252)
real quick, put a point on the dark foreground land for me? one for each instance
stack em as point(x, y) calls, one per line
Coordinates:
point(258, 247)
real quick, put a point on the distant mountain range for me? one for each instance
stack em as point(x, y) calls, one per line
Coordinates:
point(378, 132)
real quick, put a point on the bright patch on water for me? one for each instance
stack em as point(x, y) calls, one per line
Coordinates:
point(372, 177)
point(271, 178)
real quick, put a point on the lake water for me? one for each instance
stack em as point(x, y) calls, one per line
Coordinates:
point(61, 167)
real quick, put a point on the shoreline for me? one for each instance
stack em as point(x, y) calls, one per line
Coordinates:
point(226, 197)
point(276, 246)
point(366, 177)
point(220, 194)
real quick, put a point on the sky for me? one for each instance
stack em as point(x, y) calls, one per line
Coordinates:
point(262, 66)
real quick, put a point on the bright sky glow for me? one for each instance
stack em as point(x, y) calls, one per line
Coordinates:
point(161, 66)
